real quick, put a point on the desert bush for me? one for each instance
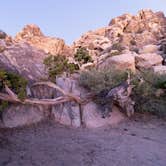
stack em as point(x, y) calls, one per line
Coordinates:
point(15, 82)
point(144, 93)
point(146, 84)
point(82, 56)
point(58, 64)
point(118, 46)
point(100, 82)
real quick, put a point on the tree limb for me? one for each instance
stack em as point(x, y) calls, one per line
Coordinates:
point(12, 97)
point(52, 85)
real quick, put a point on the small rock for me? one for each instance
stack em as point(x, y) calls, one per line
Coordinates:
point(159, 69)
point(151, 48)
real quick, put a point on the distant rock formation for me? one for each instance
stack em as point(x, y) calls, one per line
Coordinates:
point(94, 41)
point(145, 28)
point(50, 45)
point(127, 34)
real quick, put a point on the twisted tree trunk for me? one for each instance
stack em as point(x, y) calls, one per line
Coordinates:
point(13, 98)
point(120, 95)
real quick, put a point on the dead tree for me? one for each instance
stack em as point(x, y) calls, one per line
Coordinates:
point(10, 96)
point(120, 95)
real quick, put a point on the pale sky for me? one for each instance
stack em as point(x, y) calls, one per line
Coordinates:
point(68, 19)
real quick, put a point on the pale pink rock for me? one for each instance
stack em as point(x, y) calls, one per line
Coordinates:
point(148, 60)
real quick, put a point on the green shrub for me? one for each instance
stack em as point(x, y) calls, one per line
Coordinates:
point(58, 64)
point(99, 82)
point(82, 56)
point(14, 81)
point(118, 46)
point(144, 93)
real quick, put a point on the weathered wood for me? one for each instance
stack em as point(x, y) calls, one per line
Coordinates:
point(13, 98)
point(121, 96)
point(52, 85)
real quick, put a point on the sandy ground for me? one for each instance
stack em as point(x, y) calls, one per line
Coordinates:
point(132, 143)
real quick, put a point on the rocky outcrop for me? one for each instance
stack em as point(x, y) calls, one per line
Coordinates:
point(50, 45)
point(139, 33)
point(145, 28)
point(131, 31)
point(94, 41)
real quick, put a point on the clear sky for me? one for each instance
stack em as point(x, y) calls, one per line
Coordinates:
point(68, 19)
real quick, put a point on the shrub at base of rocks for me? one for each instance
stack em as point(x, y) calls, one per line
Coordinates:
point(100, 83)
point(149, 93)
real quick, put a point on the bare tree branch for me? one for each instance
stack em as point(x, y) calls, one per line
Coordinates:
point(12, 97)
point(52, 85)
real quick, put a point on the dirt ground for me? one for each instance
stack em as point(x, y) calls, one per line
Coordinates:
point(136, 142)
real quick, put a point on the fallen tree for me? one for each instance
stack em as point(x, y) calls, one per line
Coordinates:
point(119, 95)
point(10, 96)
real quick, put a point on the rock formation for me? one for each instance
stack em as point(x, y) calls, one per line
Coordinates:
point(145, 28)
point(22, 59)
point(143, 33)
point(94, 41)
point(128, 42)
point(50, 45)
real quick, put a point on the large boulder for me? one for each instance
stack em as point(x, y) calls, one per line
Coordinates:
point(151, 48)
point(33, 35)
point(92, 117)
point(121, 62)
point(75, 115)
point(19, 115)
point(69, 113)
point(148, 60)
point(24, 60)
